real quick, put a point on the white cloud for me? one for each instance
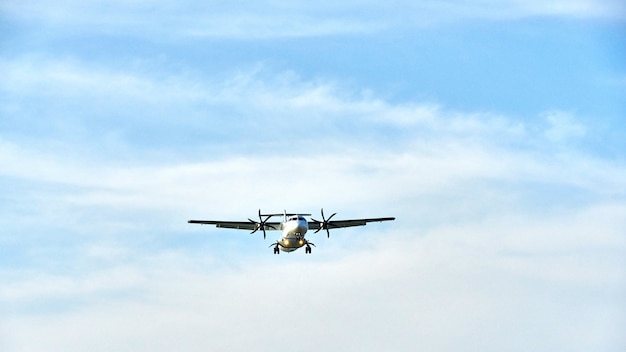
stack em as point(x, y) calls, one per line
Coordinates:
point(500, 242)
point(342, 147)
point(264, 98)
point(454, 285)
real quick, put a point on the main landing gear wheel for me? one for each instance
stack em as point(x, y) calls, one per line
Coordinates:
point(307, 249)
point(276, 249)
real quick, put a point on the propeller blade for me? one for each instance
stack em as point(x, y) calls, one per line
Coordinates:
point(257, 226)
point(325, 224)
point(261, 224)
point(321, 225)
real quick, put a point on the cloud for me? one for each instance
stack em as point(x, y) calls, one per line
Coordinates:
point(434, 291)
point(130, 102)
point(563, 126)
point(363, 140)
point(504, 240)
point(240, 20)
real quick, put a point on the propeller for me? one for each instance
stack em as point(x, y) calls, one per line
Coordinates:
point(261, 224)
point(324, 224)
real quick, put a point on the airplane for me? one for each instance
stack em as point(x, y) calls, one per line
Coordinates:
point(294, 227)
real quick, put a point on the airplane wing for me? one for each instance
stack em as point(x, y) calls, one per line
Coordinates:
point(239, 225)
point(335, 224)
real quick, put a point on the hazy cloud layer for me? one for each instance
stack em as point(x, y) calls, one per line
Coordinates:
point(284, 19)
point(500, 231)
point(510, 225)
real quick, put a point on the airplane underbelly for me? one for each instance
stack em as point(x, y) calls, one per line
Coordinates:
point(291, 243)
point(289, 249)
point(293, 236)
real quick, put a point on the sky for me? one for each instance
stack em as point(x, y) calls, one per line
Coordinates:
point(492, 130)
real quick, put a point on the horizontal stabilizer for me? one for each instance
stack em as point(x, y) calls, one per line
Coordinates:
point(287, 214)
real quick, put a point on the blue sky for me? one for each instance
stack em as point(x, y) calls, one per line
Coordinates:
point(493, 130)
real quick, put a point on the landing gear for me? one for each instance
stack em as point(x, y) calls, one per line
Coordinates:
point(276, 249)
point(278, 245)
point(307, 249)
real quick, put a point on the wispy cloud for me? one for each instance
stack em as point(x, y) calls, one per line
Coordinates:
point(265, 99)
point(563, 126)
point(142, 98)
point(282, 19)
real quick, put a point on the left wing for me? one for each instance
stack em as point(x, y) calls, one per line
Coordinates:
point(239, 225)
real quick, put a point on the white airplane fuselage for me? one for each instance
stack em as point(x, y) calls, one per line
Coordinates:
point(293, 230)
